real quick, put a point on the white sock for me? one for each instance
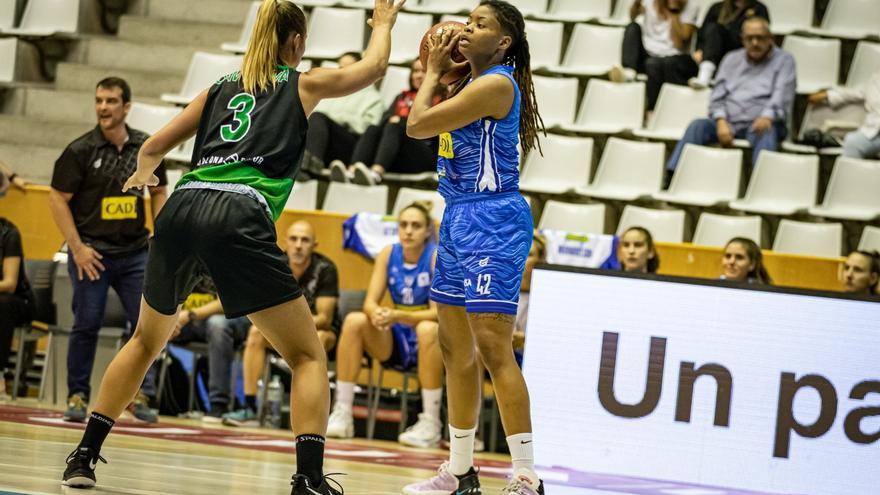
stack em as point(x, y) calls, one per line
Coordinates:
point(707, 70)
point(345, 395)
point(521, 451)
point(431, 402)
point(461, 450)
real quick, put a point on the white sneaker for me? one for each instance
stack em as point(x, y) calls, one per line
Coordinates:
point(697, 83)
point(340, 424)
point(338, 173)
point(424, 434)
point(363, 175)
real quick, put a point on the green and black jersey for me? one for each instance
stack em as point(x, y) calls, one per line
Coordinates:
point(252, 140)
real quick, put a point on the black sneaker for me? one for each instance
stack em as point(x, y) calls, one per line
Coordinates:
point(303, 486)
point(469, 483)
point(80, 472)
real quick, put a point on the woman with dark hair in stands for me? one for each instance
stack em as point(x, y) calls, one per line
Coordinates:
point(637, 252)
point(861, 272)
point(744, 262)
point(721, 33)
point(221, 220)
point(386, 147)
point(16, 298)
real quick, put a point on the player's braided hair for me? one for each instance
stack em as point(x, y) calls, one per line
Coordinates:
point(276, 21)
point(517, 56)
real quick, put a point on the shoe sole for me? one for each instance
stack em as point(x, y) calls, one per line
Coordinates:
point(414, 491)
point(212, 420)
point(361, 179)
point(79, 482)
point(241, 424)
point(74, 420)
point(418, 445)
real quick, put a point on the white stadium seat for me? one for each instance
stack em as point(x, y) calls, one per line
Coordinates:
point(809, 239)
point(304, 196)
point(396, 81)
point(47, 18)
point(716, 230)
point(705, 177)
point(592, 50)
point(557, 99)
point(406, 36)
point(334, 32)
point(530, 7)
point(781, 184)
point(442, 6)
point(240, 46)
point(576, 10)
point(573, 217)
point(545, 43)
point(8, 55)
point(664, 225)
point(204, 70)
point(851, 19)
point(870, 240)
point(565, 165)
point(677, 106)
point(150, 118)
point(852, 192)
point(865, 62)
point(610, 108)
point(789, 16)
point(628, 170)
point(352, 198)
point(817, 62)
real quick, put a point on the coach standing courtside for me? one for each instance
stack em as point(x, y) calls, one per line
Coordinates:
point(106, 235)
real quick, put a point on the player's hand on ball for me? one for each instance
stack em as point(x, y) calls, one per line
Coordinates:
point(140, 179)
point(385, 12)
point(440, 46)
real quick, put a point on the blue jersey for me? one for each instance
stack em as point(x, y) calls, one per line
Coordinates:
point(409, 285)
point(482, 157)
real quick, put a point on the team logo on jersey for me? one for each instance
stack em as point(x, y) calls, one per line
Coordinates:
point(484, 261)
point(408, 281)
point(97, 163)
point(424, 279)
point(119, 208)
point(445, 150)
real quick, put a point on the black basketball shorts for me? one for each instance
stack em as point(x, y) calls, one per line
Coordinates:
point(226, 235)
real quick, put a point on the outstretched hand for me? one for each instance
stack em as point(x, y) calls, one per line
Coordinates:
point(140, 179)
point(385, 12)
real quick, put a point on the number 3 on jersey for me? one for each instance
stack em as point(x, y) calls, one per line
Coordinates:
point(243, 104)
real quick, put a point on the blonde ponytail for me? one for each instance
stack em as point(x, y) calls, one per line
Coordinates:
point(276, 20)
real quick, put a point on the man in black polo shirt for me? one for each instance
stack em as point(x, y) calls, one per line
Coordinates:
point(106, 235)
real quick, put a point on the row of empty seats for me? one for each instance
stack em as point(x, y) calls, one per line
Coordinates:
point(793, 237)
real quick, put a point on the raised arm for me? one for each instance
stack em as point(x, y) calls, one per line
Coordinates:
point(320, 82)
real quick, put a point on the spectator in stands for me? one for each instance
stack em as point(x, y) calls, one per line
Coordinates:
point(386, 147)
point(637, 251)
point(402, 336)
point(202, 320)
point(16, 298)
point(319, 280)
point(753, 93)
point(721, 33)
point(861, 272)
point(336, 124)
point(9, 178)
point(537, 254)
point(864, 142)
point(744, 262)
point(106, 234)
point(659, 45)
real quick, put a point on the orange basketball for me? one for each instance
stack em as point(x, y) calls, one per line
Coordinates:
point(450, 26)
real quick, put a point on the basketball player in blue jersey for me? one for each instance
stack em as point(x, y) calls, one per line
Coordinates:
point(250, 130)
point(485, 234)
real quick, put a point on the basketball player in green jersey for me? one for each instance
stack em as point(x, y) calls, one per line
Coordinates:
point(250, 131)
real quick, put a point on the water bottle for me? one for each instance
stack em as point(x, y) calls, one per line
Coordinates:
point(274, 397)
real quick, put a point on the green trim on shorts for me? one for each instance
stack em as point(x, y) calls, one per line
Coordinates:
point(275, 191)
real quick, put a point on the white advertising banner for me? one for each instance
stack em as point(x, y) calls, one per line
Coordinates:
point(665, 387)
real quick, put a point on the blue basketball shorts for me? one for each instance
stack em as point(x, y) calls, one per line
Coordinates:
point(484, 243)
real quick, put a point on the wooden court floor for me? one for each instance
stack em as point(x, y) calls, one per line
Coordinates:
point(32, 460)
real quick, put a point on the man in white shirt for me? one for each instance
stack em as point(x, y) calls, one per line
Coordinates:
point(864, 142)
point(658, 43)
